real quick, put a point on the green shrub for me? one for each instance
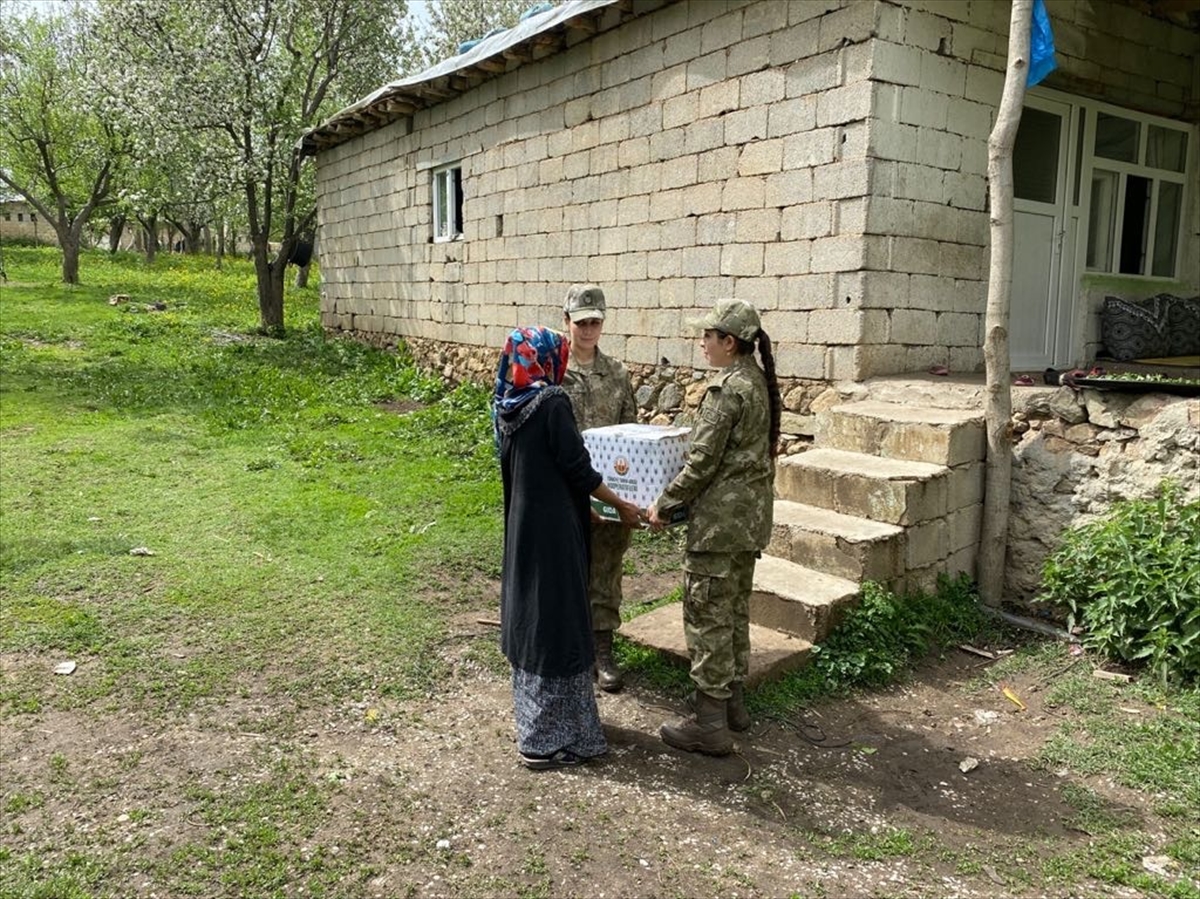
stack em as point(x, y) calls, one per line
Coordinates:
point(883, 635)
point(886, 632)
point(1132, 581)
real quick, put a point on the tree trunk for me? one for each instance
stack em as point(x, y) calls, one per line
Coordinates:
point(270, 287)
point(151, 230)
point(220, 244)
point(302, 276)
point(116, 229)
point(998, 396)
point(70, 250)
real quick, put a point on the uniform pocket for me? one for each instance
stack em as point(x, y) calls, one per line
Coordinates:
point(708, 564)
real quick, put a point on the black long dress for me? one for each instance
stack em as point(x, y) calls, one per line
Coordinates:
point(546, 626)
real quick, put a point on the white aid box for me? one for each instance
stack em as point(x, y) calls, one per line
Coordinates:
point(637, 462)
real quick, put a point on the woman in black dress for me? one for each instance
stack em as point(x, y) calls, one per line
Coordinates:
point(546, 626)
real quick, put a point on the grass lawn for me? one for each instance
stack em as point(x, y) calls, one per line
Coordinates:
point(268, 560)
point(170, 477)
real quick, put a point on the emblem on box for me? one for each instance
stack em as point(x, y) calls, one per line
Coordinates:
point(638, 461)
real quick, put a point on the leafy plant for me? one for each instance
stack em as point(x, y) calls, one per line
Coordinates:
point(887, 632)
point(1132, 582)
point(882, 636)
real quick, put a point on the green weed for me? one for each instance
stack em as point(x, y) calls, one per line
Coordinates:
point(1131, 580)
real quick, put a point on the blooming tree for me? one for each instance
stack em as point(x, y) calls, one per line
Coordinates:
point(452, 22)
point(239, 81)
point(62, 146)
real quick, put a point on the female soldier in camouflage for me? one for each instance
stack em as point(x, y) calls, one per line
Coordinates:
point(727, 486)
point(601, 395)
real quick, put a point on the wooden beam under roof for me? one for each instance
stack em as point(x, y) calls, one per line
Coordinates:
point(584, 23)
point(399, 106)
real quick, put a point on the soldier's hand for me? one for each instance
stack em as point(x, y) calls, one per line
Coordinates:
point(656, 523)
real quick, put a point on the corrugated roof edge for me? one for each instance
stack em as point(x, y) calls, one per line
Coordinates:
point(486, 59)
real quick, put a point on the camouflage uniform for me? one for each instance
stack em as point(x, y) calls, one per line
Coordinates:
point(602, 395)
point(728, 486)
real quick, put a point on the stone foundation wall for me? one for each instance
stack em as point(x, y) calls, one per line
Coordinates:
point(666, 394)
point(1075, 454)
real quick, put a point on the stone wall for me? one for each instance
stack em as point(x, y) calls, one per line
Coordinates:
point(666, 394)
point(1075, 454)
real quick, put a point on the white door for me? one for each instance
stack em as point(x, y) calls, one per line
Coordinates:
point(1038, 325)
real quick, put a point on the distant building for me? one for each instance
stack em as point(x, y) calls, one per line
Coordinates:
point(18, 219)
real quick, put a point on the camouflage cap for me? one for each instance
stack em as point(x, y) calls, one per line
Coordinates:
point(736, 317)
point(583, 302)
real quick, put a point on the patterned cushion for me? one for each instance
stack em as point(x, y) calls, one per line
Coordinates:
point(1183, 325)
point(1135, 330)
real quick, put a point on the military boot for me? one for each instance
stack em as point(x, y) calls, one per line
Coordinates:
point(705, 731)
point(739, 718)
point(607, 673)
point(735, 708)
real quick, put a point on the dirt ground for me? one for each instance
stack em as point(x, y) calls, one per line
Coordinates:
point(428, 798)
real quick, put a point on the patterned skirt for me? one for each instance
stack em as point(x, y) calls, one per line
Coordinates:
point(556, 713)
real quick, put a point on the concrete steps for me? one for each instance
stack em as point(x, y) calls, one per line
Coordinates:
point(842, 545)
point(891, 492)
point(772, 653)
point(797, 600)
point(942, 436)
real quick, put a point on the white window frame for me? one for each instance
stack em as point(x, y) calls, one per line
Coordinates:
point(1122, 171)
point(446, 185)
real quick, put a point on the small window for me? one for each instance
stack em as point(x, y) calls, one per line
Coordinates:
point(1166, 229)
point(1166, 148)
point(1035, 156)
point(1137, 208)
point(20, 216)
point(33, 216)
point(447, 203)
point(1117, 138)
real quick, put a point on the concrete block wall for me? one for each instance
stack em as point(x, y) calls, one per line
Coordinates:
point(699, 151)
point(20, 221)
point(824, 159)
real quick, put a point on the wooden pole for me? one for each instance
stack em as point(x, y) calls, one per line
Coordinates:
point(998, 395)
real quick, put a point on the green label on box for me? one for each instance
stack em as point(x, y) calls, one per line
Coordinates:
point(609, 513)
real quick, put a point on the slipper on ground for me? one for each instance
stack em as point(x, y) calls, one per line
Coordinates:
point(563, 758)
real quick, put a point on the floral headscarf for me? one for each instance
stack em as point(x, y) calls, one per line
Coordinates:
point(533, 360)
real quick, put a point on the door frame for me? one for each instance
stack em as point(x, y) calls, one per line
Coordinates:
point(1067, 216)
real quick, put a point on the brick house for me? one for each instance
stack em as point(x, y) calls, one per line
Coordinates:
point(827, 160)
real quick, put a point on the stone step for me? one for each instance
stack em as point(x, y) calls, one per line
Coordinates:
point(798, 600)
point(894, 491)
point(956, 391)
point(854, 548)
point(772, 653)
point(918, 433)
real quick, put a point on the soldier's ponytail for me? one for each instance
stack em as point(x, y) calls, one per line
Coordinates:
point(768, 362)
